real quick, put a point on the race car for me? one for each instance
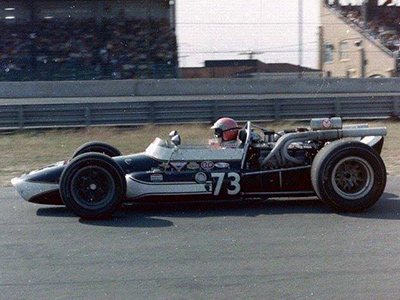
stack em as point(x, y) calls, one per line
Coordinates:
point(341, 165)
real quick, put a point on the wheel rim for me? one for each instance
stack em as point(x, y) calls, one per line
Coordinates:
point(352, 178)
point(93, 187)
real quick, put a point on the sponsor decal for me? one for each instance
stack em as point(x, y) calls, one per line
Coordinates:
point(128, 161)
point(200, 177)
point(233, 144)
point(178, 165)
point(192, 166)
point(327, 123)
point(207, 165)
point(222, 165)
point(156, 177)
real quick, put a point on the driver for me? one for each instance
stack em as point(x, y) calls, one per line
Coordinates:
point(226, 132)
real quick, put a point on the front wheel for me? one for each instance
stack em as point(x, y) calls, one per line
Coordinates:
point(92, 186)
point(348, 175)
point(98, 147)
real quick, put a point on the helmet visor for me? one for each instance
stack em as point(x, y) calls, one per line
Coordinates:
point(218, 132)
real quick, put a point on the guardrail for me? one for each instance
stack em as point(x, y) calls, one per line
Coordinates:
point(80, 112)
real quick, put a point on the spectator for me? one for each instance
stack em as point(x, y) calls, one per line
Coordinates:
point(384, 27)
point(74, 48)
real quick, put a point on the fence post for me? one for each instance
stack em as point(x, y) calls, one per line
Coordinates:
point(277, 110)
point(395, 107)
point(21, 117)
point(214, 111)
point(88, 116)
point(338, 108)
point(152, 110)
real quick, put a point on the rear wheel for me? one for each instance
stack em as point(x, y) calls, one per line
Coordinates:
point(99, 147)
point(348, 175)
point(92, 185)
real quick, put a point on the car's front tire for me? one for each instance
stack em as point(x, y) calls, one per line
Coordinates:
point(98, 147)
point(92, 185)
point(348, 175)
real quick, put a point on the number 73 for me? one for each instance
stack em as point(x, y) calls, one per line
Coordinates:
point(234, 187)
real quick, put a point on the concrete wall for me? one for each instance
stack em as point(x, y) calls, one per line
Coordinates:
point(335, 30)
point(181, 87)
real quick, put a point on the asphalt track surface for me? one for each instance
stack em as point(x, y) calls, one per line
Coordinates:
point(287, 249)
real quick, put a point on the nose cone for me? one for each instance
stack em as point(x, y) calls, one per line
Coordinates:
point(37, 186)
point(30, 190)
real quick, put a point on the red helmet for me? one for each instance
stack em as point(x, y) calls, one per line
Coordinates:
point(226, 128)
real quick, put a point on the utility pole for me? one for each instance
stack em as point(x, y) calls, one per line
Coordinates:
point(363, 62)
point(363, 57)
point(300, 37)
point(172, 11)
point(321, 48)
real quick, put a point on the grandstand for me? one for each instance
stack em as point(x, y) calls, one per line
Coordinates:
point(86, 40)
point(381, 23)
point(361, 40)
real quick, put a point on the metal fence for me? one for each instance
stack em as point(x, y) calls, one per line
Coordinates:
point(179, 109)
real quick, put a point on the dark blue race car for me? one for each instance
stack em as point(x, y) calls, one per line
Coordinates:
point(339, 164)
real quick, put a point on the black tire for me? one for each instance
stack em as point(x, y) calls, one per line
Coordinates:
point(92, 185)
point(99, 147)
point(348, 175)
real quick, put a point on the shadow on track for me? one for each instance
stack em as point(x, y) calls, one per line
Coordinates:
point(119, 220)
point(143, 215)
point(150, 215)
point(387, 208)
point(55, 211)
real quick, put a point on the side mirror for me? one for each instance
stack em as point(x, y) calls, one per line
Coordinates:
point(176, 140)
point(173, 133)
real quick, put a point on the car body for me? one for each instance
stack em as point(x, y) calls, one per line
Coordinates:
point(266, 164)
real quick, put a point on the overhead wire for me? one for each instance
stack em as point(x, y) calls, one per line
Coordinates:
point(279, 49)
point(256, 23)
point(270, 51)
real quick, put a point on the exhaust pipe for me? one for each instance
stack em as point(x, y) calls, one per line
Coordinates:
point(280, 151)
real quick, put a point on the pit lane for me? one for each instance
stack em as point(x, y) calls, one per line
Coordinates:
point(271, 250)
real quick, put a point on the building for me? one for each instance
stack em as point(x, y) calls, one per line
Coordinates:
point(354, 40)
point(247, 68)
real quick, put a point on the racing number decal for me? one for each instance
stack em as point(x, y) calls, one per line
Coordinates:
point(233, 189)
point(234, 183)
point(220, 178)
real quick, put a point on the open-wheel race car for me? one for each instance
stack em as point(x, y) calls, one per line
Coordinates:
point(339, 164)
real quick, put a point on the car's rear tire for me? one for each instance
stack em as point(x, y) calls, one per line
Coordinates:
point(348, 175)
point(92, 185)
point(99, 147)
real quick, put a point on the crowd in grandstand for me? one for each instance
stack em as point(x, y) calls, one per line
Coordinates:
point(384, 27)
point(134, 48)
